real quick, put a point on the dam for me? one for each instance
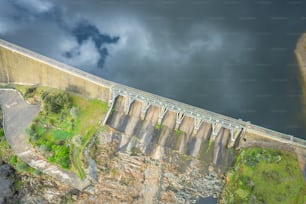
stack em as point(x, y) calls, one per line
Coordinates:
point(149, 122)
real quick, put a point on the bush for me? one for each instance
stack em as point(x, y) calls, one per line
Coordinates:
point(242, 194)
point(43, 148)
point(18, 184)
point(61, 156)
point(48, 145)
point(21, 166)
point(13, 160)
point(30, 92)
point(55, 102)
point(1, 132)
point(135, 151)
point(34, 137)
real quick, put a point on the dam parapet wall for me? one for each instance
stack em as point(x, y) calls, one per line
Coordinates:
point(21, 66)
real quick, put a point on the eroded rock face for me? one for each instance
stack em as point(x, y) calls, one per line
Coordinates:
point(27, 188)
point(160, 162)
point(123, 177)
point(42, 189)
point(134, 177)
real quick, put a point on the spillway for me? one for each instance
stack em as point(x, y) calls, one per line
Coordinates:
point(157, 140)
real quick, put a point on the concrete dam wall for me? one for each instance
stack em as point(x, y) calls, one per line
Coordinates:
point(20, 66)
point(149, 122)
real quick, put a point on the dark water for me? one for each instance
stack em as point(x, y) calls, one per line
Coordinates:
point(209, 200)
point(231, 57)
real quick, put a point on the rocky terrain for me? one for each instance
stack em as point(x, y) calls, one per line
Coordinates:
point(132, 177)
point(8, 192)
point(121, 177)
point(125, 170)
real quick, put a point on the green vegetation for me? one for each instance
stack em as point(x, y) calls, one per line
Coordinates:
point(265, 176)
point(65, 126)
point(114, 172)
point(178, 131)
point(158, 126)
point(22, 89)
point(135, 151)
point(55, 102)
point(28, 92)
point(210, 142)
point(7, 155)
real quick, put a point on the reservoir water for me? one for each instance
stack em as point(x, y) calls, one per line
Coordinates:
point(232, 57)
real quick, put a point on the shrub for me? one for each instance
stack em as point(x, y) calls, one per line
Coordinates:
point(61, 156)
point(48, 145)
point(242, 194)
point(18, 184)
point(135, 151)
point(21, 166)
point(158, 126)
point(1, 132)
point(55, 102)
point(43, 148)
point(178, 132)
point(34, 137)
point(30, 92)
point(13, 160)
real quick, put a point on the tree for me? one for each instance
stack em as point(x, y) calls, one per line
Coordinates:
point(55, 102)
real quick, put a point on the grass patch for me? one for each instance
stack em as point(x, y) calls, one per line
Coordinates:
point(76, 159)
point(64, 118)
point(265, 176)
